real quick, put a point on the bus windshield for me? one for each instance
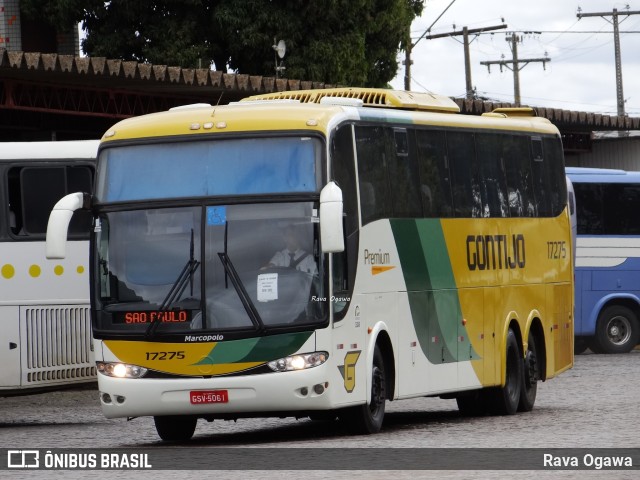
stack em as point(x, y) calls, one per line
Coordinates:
point(253, 267)
point(246, 166)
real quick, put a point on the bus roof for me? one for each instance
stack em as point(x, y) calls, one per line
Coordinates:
point(601, 175)
point(370, 97)
point(49, 150)
point(315, 110)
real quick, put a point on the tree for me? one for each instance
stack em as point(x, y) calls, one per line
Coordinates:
point(347, 42)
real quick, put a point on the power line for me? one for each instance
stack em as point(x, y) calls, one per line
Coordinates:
point(583, 32)
point(407, 61)
point(514, 65)
point(616, 36)
point(607, 109)
point(465, 32)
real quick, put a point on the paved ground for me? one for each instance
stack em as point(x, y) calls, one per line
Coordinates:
point(594, 405)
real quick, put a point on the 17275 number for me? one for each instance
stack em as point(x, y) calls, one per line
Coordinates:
point(165, 355)
point(557, 250)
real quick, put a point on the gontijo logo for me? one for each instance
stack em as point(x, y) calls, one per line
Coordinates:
point(495, 252)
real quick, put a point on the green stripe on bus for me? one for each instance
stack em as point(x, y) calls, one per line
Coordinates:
point(411, 251)
point(431, 289)
point(262, 349)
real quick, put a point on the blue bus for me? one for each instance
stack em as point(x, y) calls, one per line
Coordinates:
point(607, 263)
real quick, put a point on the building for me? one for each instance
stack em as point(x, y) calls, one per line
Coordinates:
point(49, 92)
point(21, 34)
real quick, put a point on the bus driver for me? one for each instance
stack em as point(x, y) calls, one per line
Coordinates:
point(293, 255)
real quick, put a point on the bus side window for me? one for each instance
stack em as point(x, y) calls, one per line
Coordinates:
point(493, 187)
point(403, 174)
point(42, 187)
point(343, 170)
point(372, 150)
point(15, 202)
point(540, 172)
point(467, 201)
point(517, 164)
point(435, 177)
point(589, 208)
point(629, 220)
point(80, 179)
point(619, 213)
point(33, 191)
point(554, 171)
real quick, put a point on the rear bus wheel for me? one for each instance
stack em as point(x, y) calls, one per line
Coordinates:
point(175, 428)
point(530, 376)
point(617, 330)
point(580, 345)
point(505, 400)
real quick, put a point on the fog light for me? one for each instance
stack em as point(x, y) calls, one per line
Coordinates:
point(319, 388)
point(106, 398)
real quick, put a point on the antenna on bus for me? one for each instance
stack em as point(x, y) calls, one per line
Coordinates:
point(280, 48)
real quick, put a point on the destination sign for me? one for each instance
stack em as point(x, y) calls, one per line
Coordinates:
point(150, 316)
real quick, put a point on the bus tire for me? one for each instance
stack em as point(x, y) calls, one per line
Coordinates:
point(580, 345)
point(505, 400)
point(617, 330)
point(175, 428)
point(530, 376)
point(594, 346)
point(366, 419)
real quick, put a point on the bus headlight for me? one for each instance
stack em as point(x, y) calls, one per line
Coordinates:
point(298, 362)
point(121, 370)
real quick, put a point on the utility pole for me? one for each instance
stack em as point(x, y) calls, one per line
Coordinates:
point(407, 59)
point(465, 32)
point(514, 65)
point(616, 42)
point(407, 66)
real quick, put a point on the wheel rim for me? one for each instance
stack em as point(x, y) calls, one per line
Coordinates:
point(619, 330)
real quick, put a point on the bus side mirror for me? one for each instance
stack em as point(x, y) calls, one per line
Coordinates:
point(331, 234)
point(58, 225)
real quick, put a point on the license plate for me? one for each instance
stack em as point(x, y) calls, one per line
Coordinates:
point(211, 396)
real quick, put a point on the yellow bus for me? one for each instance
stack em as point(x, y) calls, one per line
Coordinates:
point(319, 253)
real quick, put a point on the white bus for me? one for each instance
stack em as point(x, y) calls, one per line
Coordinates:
point(319, 253)
point(45, 335)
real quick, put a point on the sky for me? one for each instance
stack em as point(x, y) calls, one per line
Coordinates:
point(580, 75)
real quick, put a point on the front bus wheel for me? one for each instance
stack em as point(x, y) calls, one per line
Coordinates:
point(367, 418)
point(175, 428)
point(505, 400)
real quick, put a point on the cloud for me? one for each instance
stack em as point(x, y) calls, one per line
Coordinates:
point(579, 76)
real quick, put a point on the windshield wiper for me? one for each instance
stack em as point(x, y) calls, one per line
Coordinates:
point(177, 289)
point(247, 303)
